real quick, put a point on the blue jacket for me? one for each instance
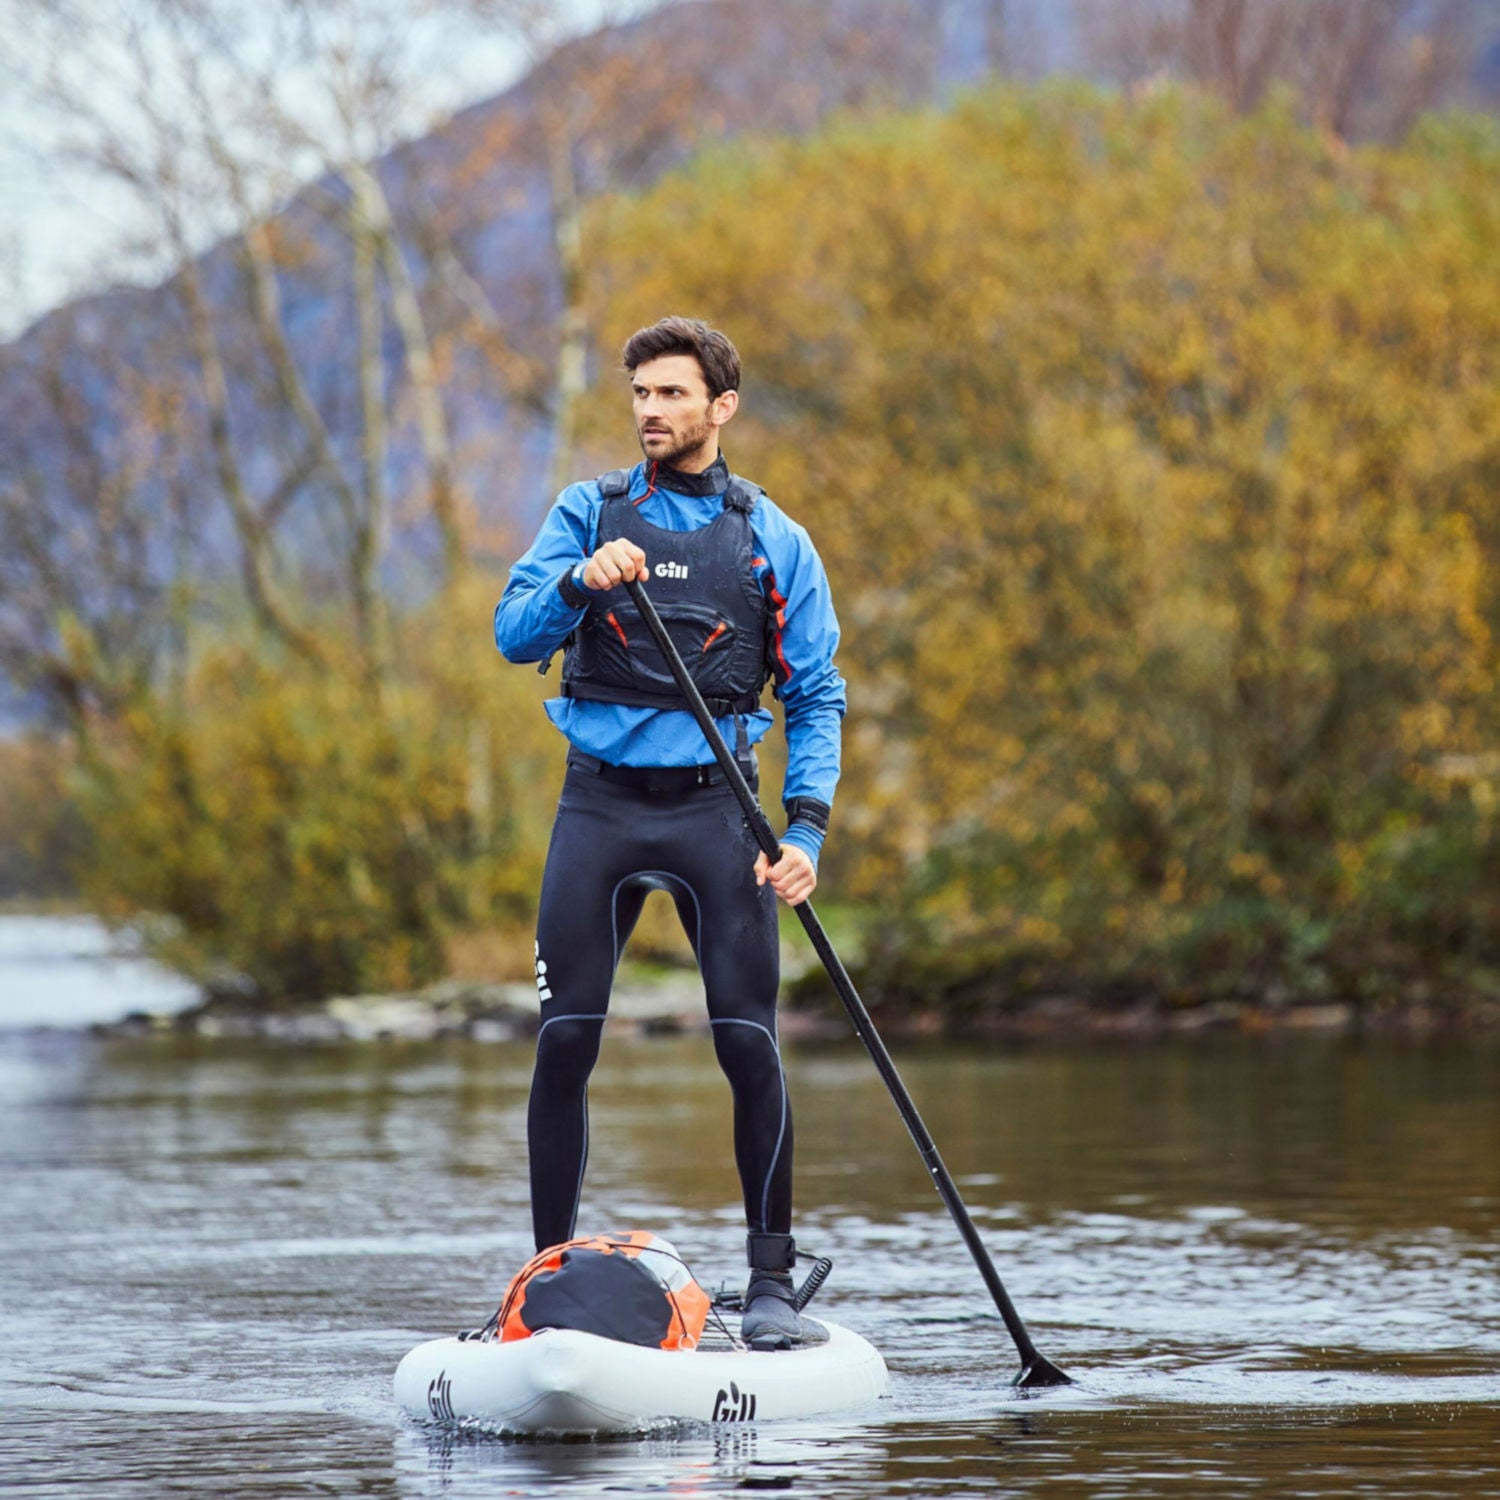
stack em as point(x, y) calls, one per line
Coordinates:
point(533, 619)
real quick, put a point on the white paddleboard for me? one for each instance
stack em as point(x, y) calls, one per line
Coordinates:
point(562, 1383)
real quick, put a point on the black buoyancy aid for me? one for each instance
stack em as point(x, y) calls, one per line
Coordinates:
point(704, 587)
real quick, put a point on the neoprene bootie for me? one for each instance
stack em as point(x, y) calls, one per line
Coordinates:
point(771, 1319)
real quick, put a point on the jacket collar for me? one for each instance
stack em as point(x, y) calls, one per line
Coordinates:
point(714, 480)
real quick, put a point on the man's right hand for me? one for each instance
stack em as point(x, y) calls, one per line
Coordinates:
point(614, 563)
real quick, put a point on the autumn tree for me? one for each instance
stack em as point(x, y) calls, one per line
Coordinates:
point(287, 412)
point(1144, 444)
point(353, 335)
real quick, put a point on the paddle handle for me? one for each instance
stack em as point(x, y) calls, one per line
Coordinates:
point(1036, 1370)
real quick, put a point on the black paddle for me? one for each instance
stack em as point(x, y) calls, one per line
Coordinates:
point(1036, 1370)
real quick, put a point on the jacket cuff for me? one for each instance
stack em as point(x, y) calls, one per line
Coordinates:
point(575, 595)
point(808, 810)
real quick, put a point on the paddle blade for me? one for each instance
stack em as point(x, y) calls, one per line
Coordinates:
point(1039, 1374)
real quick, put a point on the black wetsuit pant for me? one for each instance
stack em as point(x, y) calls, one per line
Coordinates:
point(611, 845)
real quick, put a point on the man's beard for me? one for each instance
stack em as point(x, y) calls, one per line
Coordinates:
point(690, 442)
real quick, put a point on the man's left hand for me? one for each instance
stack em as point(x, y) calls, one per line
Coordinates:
point(793, 877)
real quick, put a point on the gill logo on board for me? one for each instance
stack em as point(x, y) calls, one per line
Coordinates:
point(440, 1398)
point(734, 1405)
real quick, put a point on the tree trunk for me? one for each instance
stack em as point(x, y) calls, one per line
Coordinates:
point(370, 530)
point(257, 549)
point(573, 342)
point(421, 369)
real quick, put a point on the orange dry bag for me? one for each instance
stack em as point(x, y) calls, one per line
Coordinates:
point(631, 1287)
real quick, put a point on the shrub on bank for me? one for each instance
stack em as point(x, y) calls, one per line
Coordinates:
point(305, 833)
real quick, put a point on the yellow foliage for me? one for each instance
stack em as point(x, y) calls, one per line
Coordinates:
point(1152, 453)
point(308, 833)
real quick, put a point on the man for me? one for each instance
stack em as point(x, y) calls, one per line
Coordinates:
point(644, 806)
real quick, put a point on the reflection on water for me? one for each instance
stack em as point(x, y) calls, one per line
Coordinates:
point(1103, 1453)
point(1270, 1264)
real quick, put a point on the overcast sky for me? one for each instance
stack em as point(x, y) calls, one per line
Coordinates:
point(59, 228)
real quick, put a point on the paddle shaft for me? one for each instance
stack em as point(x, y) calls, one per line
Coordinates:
point(1035, 1368)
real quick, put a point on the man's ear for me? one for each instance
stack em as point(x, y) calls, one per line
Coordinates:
point(724, 407)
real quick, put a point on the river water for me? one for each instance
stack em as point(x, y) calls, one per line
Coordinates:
point(1270, 1264)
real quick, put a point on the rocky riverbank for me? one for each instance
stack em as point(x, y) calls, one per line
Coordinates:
point(644, 1001)
point(671, 1002)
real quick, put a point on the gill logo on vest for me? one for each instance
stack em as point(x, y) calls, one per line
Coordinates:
point(734, 1405)
point(671, 570)
point(440, 1398)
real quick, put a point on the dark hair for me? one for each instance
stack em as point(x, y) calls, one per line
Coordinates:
point(716, 356)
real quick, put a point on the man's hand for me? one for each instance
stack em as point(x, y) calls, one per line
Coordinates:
point(615, 562)
point(793, 877)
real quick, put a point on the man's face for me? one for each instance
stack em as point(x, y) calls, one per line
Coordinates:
point(675, 421)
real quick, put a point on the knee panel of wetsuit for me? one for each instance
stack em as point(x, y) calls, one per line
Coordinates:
point(568, 1048)
point(747, 1054)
